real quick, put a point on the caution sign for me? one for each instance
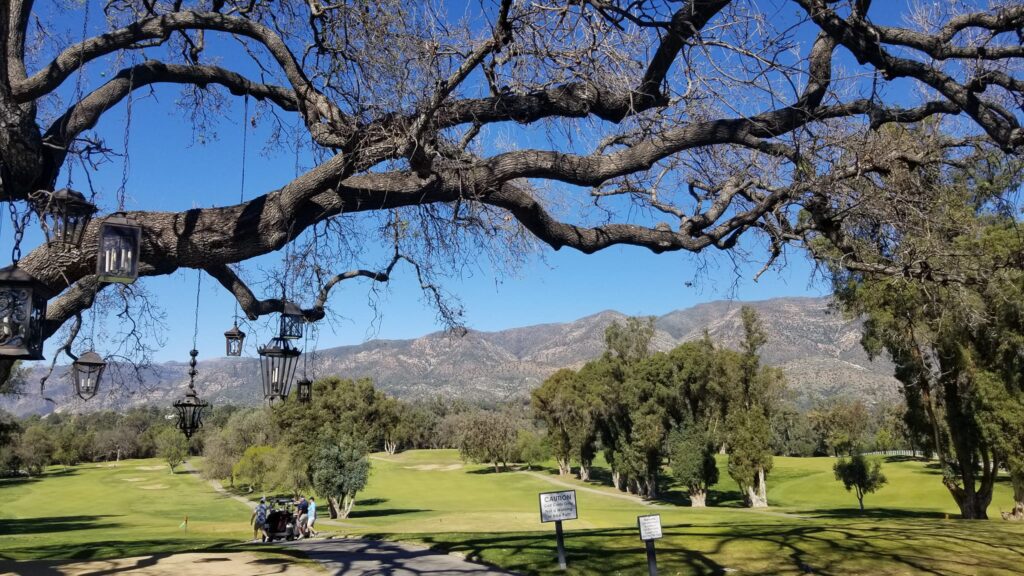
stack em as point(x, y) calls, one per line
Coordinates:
point(558, 506)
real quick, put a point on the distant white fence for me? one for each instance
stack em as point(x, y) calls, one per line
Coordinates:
point(911, 453)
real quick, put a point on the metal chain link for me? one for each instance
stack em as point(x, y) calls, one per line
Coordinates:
point(19, 222)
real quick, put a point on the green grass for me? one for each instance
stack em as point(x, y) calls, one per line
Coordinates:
point(812, 527)
point(431, 497)
point(99, 511)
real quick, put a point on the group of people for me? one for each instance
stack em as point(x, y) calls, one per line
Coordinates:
point(304, 516)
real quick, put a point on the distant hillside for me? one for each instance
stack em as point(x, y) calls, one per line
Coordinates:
point(818, 350)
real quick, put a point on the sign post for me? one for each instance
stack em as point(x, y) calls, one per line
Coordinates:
point(555, 507)
point(650, 530)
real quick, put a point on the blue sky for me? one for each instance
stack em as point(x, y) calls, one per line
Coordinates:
point(170, 171)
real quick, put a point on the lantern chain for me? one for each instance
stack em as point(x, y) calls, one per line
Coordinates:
point(126, 166)
point(19, 222)
point(78, 90)
point(195, 335)
point(245, 146)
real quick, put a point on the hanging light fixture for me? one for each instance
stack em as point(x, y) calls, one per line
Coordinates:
point(277, 364)
point(304, 391)
point(117, 259)
point(190, 408)
point(292, 321)
point(234, 338)
point(22, 314)
point(87, 370)
point(64, 216)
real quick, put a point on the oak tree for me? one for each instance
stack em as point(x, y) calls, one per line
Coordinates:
point(667, 126)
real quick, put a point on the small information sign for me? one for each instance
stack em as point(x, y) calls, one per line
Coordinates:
point(650, 527)
point(558, 506)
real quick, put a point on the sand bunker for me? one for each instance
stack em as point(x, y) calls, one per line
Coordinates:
point(208, 564)
point(452, 467)
point(154, 487)
point(150, 467)
point(133, 479)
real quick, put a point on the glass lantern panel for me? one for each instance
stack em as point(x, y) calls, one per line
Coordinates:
point(291, 326)
point(118, 257)
point(22, 313)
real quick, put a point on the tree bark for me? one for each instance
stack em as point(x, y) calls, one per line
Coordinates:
point(564, 467)
point(1017, 513)
point(698, 497)
point(757, 492)
point(617, 480)
point(333, 507)
point(584, 472)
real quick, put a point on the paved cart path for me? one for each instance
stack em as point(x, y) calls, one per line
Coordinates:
point(353, 557)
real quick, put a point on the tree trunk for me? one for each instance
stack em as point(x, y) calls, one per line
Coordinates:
point(617, 480)
point(390, 446)
point(346, 508)
point(757, 492)
point(564, 467)
point(584, 472)
point(332, 507)
point(651, 486)
point(698, 497)
point(1017, 513)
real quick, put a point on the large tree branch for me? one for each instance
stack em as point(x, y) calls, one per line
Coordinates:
point(254, 307)
point(85, 114)
point(315, 107)
point(864, 43)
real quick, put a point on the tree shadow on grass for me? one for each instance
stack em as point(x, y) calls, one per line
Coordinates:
point(873, 513)
point(864, 545)
point(23, 526)
point(17, 481)
point(371, 501)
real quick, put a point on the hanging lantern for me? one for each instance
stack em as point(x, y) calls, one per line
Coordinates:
point(304, 391)
point(87, 370)
point(64, 215)
point(278, 360)
point(190, 408)
point(118, 257)
point(22, 313)
point(234, 338)
point(190, 413)
point(292, 321)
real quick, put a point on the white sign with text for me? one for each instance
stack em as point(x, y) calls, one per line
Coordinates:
point(650, 526)
point(557, 506)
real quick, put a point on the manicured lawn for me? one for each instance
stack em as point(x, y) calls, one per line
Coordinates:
point(812, 527)
point(432, 497)
point(102, 511)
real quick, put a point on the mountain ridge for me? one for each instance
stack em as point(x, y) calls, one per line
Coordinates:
point(817, 348)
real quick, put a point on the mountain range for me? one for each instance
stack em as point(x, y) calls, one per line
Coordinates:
point(816, 347)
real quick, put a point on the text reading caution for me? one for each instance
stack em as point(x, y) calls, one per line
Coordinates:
point(556, 506)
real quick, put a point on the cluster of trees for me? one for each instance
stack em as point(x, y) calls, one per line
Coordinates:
point(956, 334)
point(29, 445)
point(640, 408)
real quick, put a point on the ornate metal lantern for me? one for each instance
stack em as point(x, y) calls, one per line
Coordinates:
point(278, 360)
point(22, 314)
point(292, 321)
point(234, 339)
point(190, 408)
point(64, 215)
point(87, 371)
point(304, 391)
point(118, 257)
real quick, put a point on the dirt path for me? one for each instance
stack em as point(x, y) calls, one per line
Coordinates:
point(620, 495)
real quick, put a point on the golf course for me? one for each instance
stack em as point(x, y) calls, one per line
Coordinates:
point(137, 508)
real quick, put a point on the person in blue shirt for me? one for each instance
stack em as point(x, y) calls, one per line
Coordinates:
point(312, 517)
point(259, 521)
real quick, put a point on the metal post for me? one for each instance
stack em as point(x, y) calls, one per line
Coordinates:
point(652, 561)
point(561, 545)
